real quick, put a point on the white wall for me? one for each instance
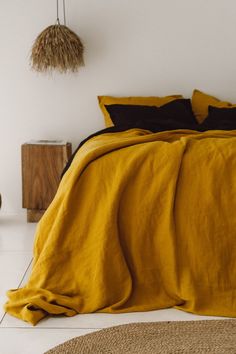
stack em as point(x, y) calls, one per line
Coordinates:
point(133, 47)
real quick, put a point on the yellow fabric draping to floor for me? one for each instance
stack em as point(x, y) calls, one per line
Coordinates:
point(141, 221)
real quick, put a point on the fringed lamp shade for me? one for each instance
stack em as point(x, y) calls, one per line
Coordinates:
point(57, 48)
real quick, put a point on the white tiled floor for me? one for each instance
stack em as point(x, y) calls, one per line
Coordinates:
point(16, 242)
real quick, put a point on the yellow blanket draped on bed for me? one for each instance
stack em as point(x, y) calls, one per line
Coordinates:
point(141, 221)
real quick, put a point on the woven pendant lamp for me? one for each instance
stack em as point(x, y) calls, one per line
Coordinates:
point(57, 48)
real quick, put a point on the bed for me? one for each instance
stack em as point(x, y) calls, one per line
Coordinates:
point(142, 220)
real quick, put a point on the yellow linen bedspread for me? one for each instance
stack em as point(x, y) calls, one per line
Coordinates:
point(141, 221)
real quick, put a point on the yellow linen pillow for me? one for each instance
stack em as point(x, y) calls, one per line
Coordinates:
point(141, 101)
point(201, 101)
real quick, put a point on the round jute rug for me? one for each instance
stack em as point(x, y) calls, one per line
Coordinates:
point(218, 337)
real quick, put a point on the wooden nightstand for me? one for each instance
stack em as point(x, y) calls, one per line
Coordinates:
point(42, 165)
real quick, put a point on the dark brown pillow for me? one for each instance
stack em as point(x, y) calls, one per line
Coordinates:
point(219, 119)
point(173, 115)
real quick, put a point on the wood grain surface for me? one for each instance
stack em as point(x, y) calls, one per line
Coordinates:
point(42, 166)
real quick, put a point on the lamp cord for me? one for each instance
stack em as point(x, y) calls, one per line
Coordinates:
point(58, 21)
point(64, 12)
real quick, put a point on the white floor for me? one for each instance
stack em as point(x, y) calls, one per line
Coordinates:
point(16, 242)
